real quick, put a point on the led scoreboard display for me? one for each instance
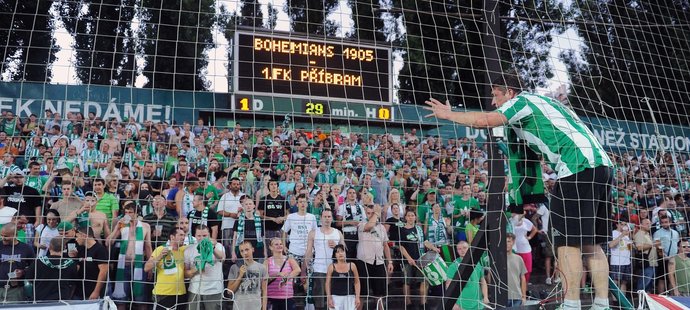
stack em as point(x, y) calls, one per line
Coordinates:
point(285, 66)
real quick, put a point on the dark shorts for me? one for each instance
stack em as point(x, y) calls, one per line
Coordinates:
point(621, 272)
point(580, 208)
point(372, 277)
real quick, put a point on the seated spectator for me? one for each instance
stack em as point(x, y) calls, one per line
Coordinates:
point(53, 275)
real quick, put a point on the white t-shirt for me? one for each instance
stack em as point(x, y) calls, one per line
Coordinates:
point(209, 281)
point(229, 202)
point(620, 255)
point(323, 254)
point(298, 227)
point(521, 231)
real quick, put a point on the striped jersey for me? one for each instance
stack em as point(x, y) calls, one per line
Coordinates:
point(554, 131)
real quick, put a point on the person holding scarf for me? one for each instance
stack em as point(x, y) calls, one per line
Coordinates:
point(412, 246)
point(248, 228)
point(168, 263)
point(54, 274)
point(203, 215)
point(204, 268)
point(134, 239)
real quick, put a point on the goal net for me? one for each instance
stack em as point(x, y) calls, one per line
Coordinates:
point(128, 125)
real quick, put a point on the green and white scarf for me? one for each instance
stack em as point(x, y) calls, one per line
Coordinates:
point(187, 202)
point(138, 274)
point(257, 227)
point(64, 263)
point(204, 215)
point(205, 249)
point(437, 230)
point(420, 239)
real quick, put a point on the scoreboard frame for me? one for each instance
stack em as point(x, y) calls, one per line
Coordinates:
point(316, 54)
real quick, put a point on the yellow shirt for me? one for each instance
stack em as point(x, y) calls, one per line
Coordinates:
point(170, 272)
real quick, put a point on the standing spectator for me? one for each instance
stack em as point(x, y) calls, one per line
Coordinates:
point(680, 269)
point(184, 198)
point(669, 238)
point(620, 247)
point(134, 238)
point(203, 215)
point(296, 229)
point(168, 264)
point(476, 290)
point(46, 232)
point(229, 208)
point(373, 254)
point(273, 209)
point(412, 245)
point(462, 204)
point(160, 222)
point(343, 286)
point(26, 200)
point(12, 271)
point(87, 215)
point(93, 267)
point(248, 281)
point(524, 231)
point(517, 283)
point(107, 202)
point(204, 268)
point(321, 243)
point(381, 186)
point(349, 215)
point(648, 254)
point(53, 275)
point(248, 228)
point(282, 271)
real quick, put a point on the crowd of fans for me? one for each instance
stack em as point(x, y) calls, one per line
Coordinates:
point(181, 215)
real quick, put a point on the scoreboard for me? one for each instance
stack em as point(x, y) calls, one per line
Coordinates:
point(311, 77)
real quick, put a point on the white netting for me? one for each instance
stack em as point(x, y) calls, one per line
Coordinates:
point(127, 97)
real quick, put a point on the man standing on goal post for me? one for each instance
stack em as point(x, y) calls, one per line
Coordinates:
point(579, 202)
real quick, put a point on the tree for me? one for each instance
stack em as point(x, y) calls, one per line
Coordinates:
point(309, 17)
point(25, 34)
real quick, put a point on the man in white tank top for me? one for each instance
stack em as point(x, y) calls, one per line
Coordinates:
point(320, 244)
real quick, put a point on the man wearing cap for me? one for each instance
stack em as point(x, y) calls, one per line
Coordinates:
point(25, 199)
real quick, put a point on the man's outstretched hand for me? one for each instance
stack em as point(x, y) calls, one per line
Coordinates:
point(438, 109)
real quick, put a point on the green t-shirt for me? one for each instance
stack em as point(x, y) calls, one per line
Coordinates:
point(36, 182)
point(422, 212)
point(471, 294)
point(107, 204)
point(209, 189)
point(459, 205)
point(470, 228)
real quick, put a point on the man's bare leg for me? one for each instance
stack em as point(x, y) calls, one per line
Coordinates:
point(599, 268)
point(570, 264)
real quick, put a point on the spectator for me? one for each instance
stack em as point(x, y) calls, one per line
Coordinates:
point(475, 291)
point(412, 246)
point(472, 228)
point(524, 231)
point(282, 271)
point(669, 238)
point(204, 268)
point(168, 264)
point(343, 286)
point(321, 243)
point(26, 200)
point(679, 267)
point(373, 254)
point(350, 215)
point(13, 272)
point(69, 204)
point(517, 283)
point(184, 198)
point(203, 215)
point(620, 261)
point(296, 229)
point(273, 209)
point(87, 215)
point(248, 228)
point(46, 232)
point(648, 260)
point(93, 267)
point(249, 280)
point(229, 208)
point(160, 221)
point(53, 276)
point(107, 202)
point(134, 238)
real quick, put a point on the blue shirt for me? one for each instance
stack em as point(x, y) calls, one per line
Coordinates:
point(669, 240)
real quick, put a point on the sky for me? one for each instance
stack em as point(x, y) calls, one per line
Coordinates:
point(63, 71)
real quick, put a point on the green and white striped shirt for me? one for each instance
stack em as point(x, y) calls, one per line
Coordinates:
point(554, 131)
point(8, 170)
